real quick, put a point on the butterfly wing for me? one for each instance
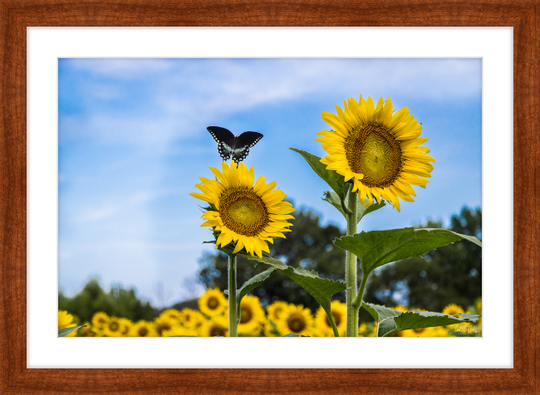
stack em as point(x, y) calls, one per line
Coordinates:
point(225, 140)
point(243, 143)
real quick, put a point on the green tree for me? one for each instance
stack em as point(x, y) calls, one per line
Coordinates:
point(117, 302)
point(451, 274)
point(308, 245)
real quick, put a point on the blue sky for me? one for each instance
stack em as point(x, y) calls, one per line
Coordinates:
point(133, 142)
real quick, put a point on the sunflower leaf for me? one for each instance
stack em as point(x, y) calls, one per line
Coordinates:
point(390, 321)
point(321, 289)
point(333, 198)
point(377, 248)
point(294, 335)
point(362, 210)
point(332, 178)
point(251, 284)
point(63, 332)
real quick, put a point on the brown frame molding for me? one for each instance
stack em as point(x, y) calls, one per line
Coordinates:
point(522, 15)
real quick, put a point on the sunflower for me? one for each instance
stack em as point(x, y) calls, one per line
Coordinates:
point(453, 309)
point(87, 331)
point(251, 316)
point(250, 214)
point(171, 314)
point(191, 318)
point(164, 324)
point(143, 329)
point(179, 331)
point(276, 309)
point(296, 319)
point(363, 330)
point(126, 325)
point(378, 151)
point(100, 319)
point(339, 312)
point(270, 329)
point(213, 302)
point(65, 320)
point(217, 326)
point(113, 327)
point(478, 305)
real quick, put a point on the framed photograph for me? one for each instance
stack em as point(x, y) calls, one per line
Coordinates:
point(37, 362)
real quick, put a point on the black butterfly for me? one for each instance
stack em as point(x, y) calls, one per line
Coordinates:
point(229, 144)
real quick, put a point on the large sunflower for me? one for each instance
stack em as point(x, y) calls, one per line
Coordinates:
point(378, 151)
point(244, 211)
point(252, 316)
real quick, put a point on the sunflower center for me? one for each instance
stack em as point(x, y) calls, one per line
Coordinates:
point(217, 331)
point(296, 323)
point(245, 315)
point(113, 326)
point(213, 303)
point(337, 319)
point(243, 211)
point(375, 153)
point(143, 331)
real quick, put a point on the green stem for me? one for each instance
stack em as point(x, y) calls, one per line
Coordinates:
point(350, 270)
point(357, 303)
point(334, 326)
point(233, 308)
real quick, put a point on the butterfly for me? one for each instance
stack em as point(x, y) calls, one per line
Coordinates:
point(229, 144)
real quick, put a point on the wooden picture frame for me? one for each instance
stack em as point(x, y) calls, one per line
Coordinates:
point(17, 15)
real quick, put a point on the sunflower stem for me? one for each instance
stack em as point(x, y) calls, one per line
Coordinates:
point(350, 270)
point(233, 309)
point(357, 303)
point(334, 326)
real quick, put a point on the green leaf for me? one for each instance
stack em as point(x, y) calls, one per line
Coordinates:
point(321, 289)
point(294, 335)
point(250, 285)
point(336, 181)
point(391, 321)
point(379, 247)
point(333, 198)
point(362, 210)
point(63, 332)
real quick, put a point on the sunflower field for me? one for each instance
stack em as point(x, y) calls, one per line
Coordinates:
point(278, 319)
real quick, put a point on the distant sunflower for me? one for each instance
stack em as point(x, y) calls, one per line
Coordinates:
point(378, 151)
point(339, 312)
point(478, 305)
point(87, 330)
point(244, 211)
point(113, 327)
point(171, 314)
point(296, 319)
point(191, 318)
point(251, 316)
point(453, 309)
point(217, 326)
point(125, 326)
point(143, 329)
point(179, 331)
point(276, 309)
point(66, 320)
point(99, 319)
point(164, 323)
point(213, 302)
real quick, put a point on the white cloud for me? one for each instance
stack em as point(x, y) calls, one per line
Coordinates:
point(178, 96)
